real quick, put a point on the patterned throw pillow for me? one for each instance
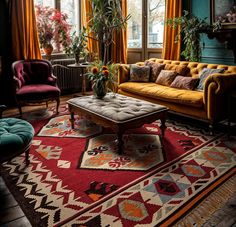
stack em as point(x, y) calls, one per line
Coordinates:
point(155, 69)
point(182, 70)
point(184, 82)
point(139, 73)
point(204, 74)
point(166, 77)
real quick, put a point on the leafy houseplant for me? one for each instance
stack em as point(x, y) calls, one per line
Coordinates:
point(102, 78)
point(105, 19)
point(78, 45)
point(191, 27)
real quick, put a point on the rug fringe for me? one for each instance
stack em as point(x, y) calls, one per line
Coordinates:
point(199, 215)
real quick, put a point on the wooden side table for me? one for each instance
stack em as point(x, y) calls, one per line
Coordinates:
point(83, 68)
point(231, 109)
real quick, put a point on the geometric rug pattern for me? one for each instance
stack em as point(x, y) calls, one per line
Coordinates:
point(64, 186)
point(142, 152)
point(61, 127)
point(152, 200)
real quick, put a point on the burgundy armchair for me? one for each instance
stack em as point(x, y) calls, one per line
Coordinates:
point(35, 83)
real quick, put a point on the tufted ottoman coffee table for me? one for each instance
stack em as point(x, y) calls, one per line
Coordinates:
point(118, 112)
point(15, 138)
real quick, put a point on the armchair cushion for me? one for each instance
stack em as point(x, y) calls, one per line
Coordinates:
point(37, 92)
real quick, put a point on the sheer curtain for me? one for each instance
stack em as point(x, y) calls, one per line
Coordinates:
point(171, 49)
point(25, 44)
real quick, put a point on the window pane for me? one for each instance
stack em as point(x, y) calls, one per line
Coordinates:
point(156, 13)
point(135, 24)
point(50, 3)
point(71, 8)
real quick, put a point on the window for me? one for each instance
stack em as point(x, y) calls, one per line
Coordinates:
point(135, 24)
point(147, 17)
point(70, 7)
point(155, 23)
point(49, 3)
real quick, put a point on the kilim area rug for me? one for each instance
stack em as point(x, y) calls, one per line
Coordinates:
point(76, 177)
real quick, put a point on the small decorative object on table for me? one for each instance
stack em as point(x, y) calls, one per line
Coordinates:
point(102, 78)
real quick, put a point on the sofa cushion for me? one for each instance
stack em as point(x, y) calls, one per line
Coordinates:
point(166, 77)
point(184, 82)
point(156, 91)
point(139, 73)
point(204, 74)
point(183, 70)
point(155, 69)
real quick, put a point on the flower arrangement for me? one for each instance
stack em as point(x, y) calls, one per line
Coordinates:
point(52, 27)
point(102, 77)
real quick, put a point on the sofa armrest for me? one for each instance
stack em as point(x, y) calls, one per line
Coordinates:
point(123, 73)
point(216, 89)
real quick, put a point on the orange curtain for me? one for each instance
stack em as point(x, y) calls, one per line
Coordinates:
point(171, 49)
point(119, 47)
point(25, 44)
point(86, 11)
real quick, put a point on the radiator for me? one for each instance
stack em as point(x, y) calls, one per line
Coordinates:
point(68, 80)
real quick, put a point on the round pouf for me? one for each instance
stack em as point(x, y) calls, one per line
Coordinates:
point(15, 138)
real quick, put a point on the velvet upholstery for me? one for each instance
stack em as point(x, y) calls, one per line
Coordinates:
point(15, 138)
point(209, 105)
point(34, 82)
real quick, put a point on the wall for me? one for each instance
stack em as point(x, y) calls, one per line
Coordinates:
point(212, 50)
point(6, 79)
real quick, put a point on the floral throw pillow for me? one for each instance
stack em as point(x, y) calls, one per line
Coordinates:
point(166, 77)
point(183, 82)
point(139, 73)
point(204, 74)
point(155, 69)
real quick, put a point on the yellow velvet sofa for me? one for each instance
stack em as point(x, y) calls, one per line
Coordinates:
point(209, 105)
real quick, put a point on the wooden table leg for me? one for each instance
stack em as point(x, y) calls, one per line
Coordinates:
point(72, 120)
point(163, 125)
point(83, 82)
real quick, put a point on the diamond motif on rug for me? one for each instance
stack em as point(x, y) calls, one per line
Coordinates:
point(141, 152)
point(61, 127)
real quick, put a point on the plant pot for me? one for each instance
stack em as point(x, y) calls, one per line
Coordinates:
point(47, 49)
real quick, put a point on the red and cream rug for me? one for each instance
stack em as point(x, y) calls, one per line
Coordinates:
point(76, 177)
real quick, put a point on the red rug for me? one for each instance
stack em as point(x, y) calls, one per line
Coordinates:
point(69, 183)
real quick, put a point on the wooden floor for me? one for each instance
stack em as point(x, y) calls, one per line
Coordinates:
point(11, 214)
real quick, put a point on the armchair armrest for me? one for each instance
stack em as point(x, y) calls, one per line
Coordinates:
point(2, 108)
point(17, 83)
point(216, 89)
point(52, 80)
point(123, 73)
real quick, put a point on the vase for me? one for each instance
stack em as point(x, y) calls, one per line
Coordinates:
point(47, 49)
point(99, 89)
point(77, 59)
